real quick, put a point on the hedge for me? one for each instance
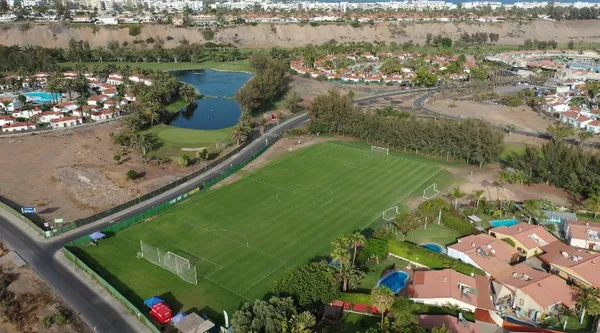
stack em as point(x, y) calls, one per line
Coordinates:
point(429, 258)
point(458, 223)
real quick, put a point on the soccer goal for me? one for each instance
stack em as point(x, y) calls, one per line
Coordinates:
point(390, 213)
point(430, 192)
point(170, 261)
point(380, 150)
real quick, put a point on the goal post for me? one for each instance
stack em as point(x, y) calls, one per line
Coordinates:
point(170, 261)
point(390, 213)
point(380, 150)
point(431, 192)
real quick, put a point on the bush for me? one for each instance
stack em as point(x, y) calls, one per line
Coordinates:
point(117, 158)
point(131, 174)
point(208, 34)
point(135, 30)
point(149, 40)
point(457, 223)
point(313, 24)
point(253, 24)
point(321, 77)
point(430, 259)
point(355, 24)
point(356, 298)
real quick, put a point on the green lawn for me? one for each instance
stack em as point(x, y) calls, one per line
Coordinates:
point(375, 272)
point(243, 236)
point(237, 65)
point(172, 139)
point(355, 323)
point(509, 148)
point(435, 233)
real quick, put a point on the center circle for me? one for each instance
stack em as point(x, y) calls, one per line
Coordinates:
point(301, 195)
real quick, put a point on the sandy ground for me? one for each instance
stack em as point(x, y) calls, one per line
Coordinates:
point(41, 300)
point(75, 176)
point(311, 88)
point(294, 35)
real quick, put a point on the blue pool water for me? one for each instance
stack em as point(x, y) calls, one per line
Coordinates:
point(41, 96)
point(433, 247)
point(504, 223)
point(219, 110)
point(395, 280)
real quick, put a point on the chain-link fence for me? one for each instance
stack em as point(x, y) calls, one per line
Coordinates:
point(170, 261)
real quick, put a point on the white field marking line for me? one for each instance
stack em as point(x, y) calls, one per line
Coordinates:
point(233, 240)
point(264, 277)
point(222, 286)
point(127, 239)
point(153, 229)
point(208, 260)
point(404, 197)
point(358, 150)
point(228, 230)
point(211, 273)
point(358, 166)
point(324, 150)
point(307, 196)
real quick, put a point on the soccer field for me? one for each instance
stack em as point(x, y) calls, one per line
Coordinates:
point(245, 235)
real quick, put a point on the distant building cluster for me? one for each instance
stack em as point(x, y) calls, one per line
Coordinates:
point(365, 68)
point(106, 104)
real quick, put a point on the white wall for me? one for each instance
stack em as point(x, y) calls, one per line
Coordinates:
point(444, 302)
point(462, 257)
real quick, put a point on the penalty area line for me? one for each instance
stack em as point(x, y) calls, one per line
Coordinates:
point(264, 277)
point(404, 197)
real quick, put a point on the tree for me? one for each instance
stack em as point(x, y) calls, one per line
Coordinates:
point(22, 99)
point(583, 136)
point(446, 42)
point(456, 194)
point(302, 322)
point(404, 312)
point(441, 329)
point(571, 45)
point(311, 285)
point(264, 317)
point(187, 92)
point(564, 313)
point(383, 299)
point(357, 240)
point(292, 102)
point(510, 128)
point(131, 174)
point(376, 248)
point(143, 142)
point(349, 276)
point(184, 160)
point(477, 195)
point(560, 131)
point(406, 222)
point(202, 154)
point(531, 207)
point(593, 204)
point(588, 299)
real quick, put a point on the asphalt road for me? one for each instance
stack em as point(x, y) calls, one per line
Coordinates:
point(80, 297)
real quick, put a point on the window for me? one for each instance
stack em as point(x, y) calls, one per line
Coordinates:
point(521, 302)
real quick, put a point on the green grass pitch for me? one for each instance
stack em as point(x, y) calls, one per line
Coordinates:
point(245, 235)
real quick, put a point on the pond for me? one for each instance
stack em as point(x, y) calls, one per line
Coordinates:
point(218, 110)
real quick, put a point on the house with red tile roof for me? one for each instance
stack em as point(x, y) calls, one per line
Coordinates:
point(96, 100)
point(454, 324)
point(448, 286)
point(528, 238)
point(6, 120)
point(15, 127)
point(105, 115)
point(46, 116)
point(574, 264)
point(582, 234)
point(484, 252)
point(65, 122)
point(593, 127)
point(526, 290)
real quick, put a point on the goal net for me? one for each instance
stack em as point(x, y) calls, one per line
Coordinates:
point(430, 192)
point(380, 150)
point(390, 213)
point(170, 261)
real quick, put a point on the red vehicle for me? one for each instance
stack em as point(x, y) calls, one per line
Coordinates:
point(161, 312)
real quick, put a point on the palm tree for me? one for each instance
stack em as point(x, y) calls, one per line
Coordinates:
point(349, 275)
point(477, 195)
point(383, 298)
point(588, 299)
point(510, 128)
point(564, 313)
point(560, 131)
point(356, 240)
point(531, 207)
point(187, 92)
point(301, 323)
point(142, 142)
point(593, 204)
point(456, 194)
point(239, 134)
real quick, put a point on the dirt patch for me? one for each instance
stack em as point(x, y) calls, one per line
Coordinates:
point(74, 176)
point(308, 88)
point(38, 302)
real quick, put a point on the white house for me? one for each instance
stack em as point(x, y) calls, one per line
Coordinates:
point(107, 20)
point(15, 127)
point(115, 79)
point(585, 235)
point(96, 100)
point(46, 116)
point(105, 115)
point(594, 127)
point(65, 107)
point(65, 122)
point(10, 104)
point(447, 286)
point(6, 120)
point(26, 113)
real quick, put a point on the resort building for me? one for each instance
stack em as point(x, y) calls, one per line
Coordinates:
point(105, 115)
point(484, 252)
point(10, 104)
point(576, 265)
point(528, 238)
point(6, 120)
point(27, 113)
point(454, 324)
point(15, 127)
point(525, 290)
point(585, 235)
point(66, 122)
point(96, 100)
point(47, 116)
point(447, 286)
point(65, 107)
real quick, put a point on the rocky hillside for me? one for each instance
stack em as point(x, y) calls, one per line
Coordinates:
point(289, 35)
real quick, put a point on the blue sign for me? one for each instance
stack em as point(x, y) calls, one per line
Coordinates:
point(28, 210)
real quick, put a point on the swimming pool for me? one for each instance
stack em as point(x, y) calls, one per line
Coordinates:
point(395, 280)
point(504, 223)
point(433, 247)
point(41, 96)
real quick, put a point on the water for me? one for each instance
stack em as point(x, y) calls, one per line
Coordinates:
point(584, 66)
point(41, 96)
point(219, 110)
point(395, 280)
point(432, 247)
point(504, 223)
